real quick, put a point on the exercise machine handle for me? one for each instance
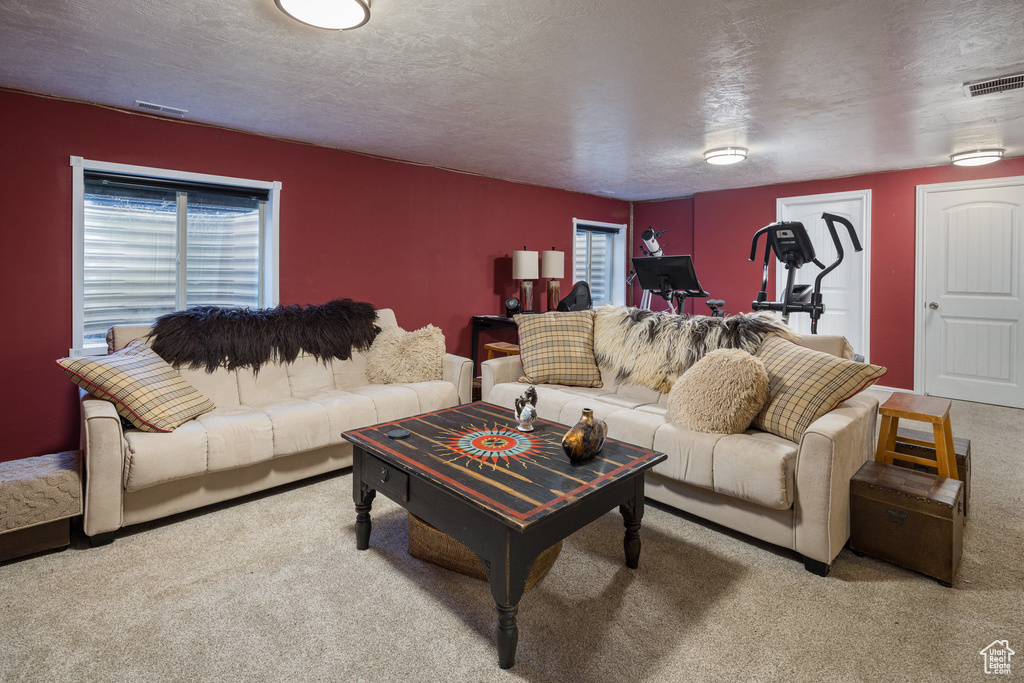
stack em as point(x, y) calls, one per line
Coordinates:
point(753, 242)
point(831, 218)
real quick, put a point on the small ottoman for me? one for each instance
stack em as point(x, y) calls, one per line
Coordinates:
point(430, 545)
point(38, 498)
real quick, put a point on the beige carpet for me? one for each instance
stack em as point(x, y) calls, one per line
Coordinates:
point(272, 589)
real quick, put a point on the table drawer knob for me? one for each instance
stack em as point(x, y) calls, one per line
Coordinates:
point(384, 474)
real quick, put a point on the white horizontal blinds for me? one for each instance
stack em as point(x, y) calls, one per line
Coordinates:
point(595, 257)
point(130, 256)
point(136, 235)
point(223, 255)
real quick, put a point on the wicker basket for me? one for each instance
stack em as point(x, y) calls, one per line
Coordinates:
point(430, 545)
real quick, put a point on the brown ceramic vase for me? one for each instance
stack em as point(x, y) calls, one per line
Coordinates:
point(586, 438)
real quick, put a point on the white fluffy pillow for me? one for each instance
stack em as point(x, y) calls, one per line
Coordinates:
point(721, 394)
point(397, 356)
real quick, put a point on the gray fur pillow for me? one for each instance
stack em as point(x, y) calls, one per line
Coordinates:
point(721, 394)
point(397, 356)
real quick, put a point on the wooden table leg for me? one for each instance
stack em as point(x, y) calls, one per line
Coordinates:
point(507, 577)
point(363, 496)
point(632, 512)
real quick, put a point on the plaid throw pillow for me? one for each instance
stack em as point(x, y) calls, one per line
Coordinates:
point(146, 391)
point(803, 385)
point(558, 348)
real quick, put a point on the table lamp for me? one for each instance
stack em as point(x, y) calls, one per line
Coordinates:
point(524, 269)
point(552, 265)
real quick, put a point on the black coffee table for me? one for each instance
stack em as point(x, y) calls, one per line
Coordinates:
point(505, 494)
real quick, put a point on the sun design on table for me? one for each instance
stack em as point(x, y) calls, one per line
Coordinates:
point(491, 445)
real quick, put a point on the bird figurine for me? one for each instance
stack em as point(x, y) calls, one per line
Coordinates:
point(526, 409)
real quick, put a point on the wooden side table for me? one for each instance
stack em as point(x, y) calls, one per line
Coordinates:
point(923, 409)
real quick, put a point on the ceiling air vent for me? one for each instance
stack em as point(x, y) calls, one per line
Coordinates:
point(160, 108)
point(994, 85)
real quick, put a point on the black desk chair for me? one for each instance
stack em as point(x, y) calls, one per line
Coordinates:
point(578, 299)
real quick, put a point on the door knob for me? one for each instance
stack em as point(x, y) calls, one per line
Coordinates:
point(933, 305)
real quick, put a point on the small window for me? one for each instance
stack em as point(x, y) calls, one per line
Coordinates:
point(599, 259)
point(149, 242)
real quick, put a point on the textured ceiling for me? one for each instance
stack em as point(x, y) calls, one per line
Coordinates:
point(598, 96)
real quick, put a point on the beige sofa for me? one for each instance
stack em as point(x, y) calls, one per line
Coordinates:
point(278, 426)
point(795, 495)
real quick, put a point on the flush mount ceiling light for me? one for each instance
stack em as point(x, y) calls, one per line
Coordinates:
point(977, 157)
point(337, 15)
point(725, 155)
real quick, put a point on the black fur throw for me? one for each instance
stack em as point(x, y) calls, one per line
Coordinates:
point(214, 337)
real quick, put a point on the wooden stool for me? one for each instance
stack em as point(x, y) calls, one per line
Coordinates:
point(923, 409)
point(503, 348)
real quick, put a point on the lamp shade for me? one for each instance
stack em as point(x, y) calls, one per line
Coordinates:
point(524, 265)
point(552, 264)
point(337, 15)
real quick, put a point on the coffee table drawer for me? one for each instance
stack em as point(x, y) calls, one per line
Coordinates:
point(386, 478)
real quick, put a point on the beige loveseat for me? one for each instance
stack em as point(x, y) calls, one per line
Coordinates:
point(795, 495)
point(278, 426)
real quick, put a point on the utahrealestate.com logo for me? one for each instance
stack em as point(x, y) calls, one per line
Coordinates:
point(997, 657)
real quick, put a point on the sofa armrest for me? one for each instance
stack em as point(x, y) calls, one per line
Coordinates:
point(831, 451)
point(103, 455)
point(459, 371)
point(499, 371)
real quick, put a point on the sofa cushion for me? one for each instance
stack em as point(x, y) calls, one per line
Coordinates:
point(434, 395)
point(298, 425)
point(269, 384)
point(220, 386)
point(721, 393)
point(690, 454)
point(146, 391)
point(237, 436)
point(757, 467)
point(307, 375)
point(805, 384)
point(391, 401)
point(754, 466)
point(345, 411)
point(558, 348)
point(153, 458)
point(397, 356)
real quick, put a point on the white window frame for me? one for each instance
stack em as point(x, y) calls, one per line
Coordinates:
point(269, 260)
point(618, 284)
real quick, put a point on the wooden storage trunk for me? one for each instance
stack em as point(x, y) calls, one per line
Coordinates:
point(908, 441)
point(907, 517)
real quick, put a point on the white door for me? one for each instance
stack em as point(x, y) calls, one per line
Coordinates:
point(845, 291)
point(970, 299)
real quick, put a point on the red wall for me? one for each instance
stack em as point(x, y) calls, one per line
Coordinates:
point(724, 222)
point(434, 245)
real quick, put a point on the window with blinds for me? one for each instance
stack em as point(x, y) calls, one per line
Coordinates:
point(152, 245)
point(594, 259)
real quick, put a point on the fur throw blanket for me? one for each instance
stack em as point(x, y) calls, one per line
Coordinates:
point(213, 337)
point(654, 348)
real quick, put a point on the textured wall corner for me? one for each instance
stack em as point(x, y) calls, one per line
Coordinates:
point(41, 489)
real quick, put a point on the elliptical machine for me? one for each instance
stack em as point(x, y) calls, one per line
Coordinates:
point(792, 246)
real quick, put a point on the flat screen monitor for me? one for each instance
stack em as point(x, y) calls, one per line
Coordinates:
point(668, 273)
